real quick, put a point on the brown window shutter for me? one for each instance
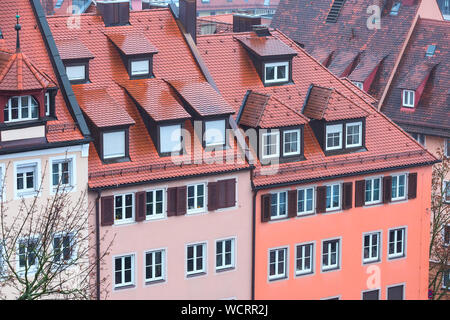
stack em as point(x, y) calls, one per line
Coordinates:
point(221, 194)
point(107, 217)
point(171, 202)
point(212, 196)
point(292, 203)
point(412, 185)
point(140, 206)
point(360, 190)
point(321, 199)
point(230, 199)
point(265, 207)
point(347, 195)
point(387, 189)
point(181, 201)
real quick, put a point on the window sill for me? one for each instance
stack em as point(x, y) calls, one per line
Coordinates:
point(371, 262)
point(121, 223)
point(159, 217)
point(303, 274)
point(152, 282)
point(331, 269)
point(278, 278)
point(307, 214)
point(393, 258)
point(27, 194)
point(225, 269)
point(197, 274)
point(282, 218)
point(124, 287)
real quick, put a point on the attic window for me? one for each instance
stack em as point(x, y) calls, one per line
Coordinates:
point(170, 138)
point(360, 85)
point(114, 144)
point(276, 72)
point(430, 50)
point(270, 144)
point(334, 137)
point(408, 98)
point(395, 9)
point(215, 133)
point(21, 109)
point(77, 73)
point(140, 67)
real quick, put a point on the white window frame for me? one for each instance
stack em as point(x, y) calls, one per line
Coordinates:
point(329, 266)
point(196, 210)
point(72, 170)
point(114, 138)
point(276, 65)
point(278, 275)
point(371, 259)
point(331, 186)
point(359, 84)
point(298, 131)
point(20, 166)
point(196, 270)
point(311, 258)
point(332, 129)
point(143, 71)
point(32, 268)
point(8, 108)
point(306, 211)
point(360, 126)
point(72, 245)
point(153, 252)
point(47, 104)
point(396, 254)
point(177, 144)
point(277, 144)
point(278, 215)
point(224, 266)
point(446, 190)
point(124, 220)
point(380, 191)
point(76, 69)
point(122, 257)
point(214, 130)
point(409, 97)
point(397, 177)
point(154, 215)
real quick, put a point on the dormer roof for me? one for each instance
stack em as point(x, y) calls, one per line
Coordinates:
point(73, 49)
point(413, 79)
point(266, 46)
point(343, 61)
point(132, 43)
point(369, 62)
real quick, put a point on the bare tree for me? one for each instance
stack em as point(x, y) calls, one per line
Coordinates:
point(47, 246)
point(440, 215)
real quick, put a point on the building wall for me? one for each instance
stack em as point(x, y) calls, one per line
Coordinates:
point(173, 233)
point(353, 277)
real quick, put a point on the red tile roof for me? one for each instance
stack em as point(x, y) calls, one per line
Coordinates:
point(365, 67)
point(265, 46)
point(387, 145)
point(33, 47)
point(73, 49)
point(432, 113)
point(107, 70)
point(342, 60)
point(235, 4)
point(131, 43)
point(304, 22)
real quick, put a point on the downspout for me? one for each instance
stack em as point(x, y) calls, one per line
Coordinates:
point(255, 192)
point(97, 244)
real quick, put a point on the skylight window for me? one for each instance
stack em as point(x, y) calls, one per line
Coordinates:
point(395, 9)
point(430, 50)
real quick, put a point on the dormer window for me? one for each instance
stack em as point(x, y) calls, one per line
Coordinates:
point(77, 73)
point(333, 137)
point(359, 84)
point(140, 67)
point(114, 145)
point(276, 72)
point(170, 139)
point(47, 103)
point(21, 109)
point(395, 9)
point(408, 98)
point(270, 144)
point(354, 134)
point(291, 142)
point(215, 134)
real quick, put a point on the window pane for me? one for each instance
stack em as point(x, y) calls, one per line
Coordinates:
point(114, 144)
point(75, 72)
point(140, 67)
point(170, 138)
point(215, 132)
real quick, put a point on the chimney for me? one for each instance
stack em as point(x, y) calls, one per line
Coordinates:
point(114, 12)
point(261, 30)
point(188, 17)
point(245, 22)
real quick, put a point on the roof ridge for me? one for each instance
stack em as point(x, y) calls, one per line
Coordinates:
point(293, 110)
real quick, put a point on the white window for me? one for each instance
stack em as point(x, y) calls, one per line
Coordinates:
point(215, 133)
point(278, 205)
point(354, 134)
point(140, 67)
point(397, 241)
point(47, 103)
point(28, 253)
point(446, 279)
point(333, 197)
point(196, 258)
point(155, 265)
point(420, 138)
point(170, 138)
point(446, 191)
point(277, 263)
point(62, 173)
point(408, 98)
point(26, 178)
point(305, 201)
point(291, 142)
point(399, 187)
point(196, 198)
point(63, 248)
point(371, 247)
point(21, 109)
point(373, 191)
point(113, 144)
point(359, 84)
point(334, 137)
point(124, 208)
point(271, 144)
point(276, 72)
point(304, 258)
point(330, 254)
point(123, 271)
point(225, 254)
point(154, 204)
point(76, 73)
